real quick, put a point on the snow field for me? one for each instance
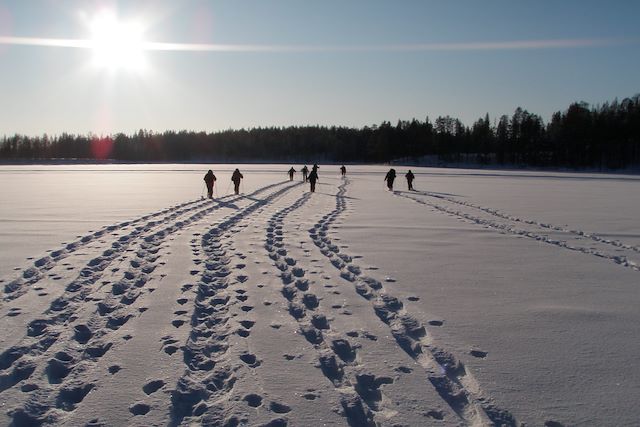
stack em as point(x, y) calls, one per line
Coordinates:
point(350, 306)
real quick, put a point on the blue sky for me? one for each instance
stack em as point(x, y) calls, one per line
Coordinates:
point(350, 63)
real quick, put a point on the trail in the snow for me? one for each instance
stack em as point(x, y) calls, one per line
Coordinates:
point(201, 394)
point(133, 229)
point(495, 212)
point(529, 228)
point(447, 374)
point(62, 346)
point(336, 355)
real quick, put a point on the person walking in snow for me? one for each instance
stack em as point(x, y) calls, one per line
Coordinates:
point(305, 173)
point(313, 177)
point(236, 178)
point(410, 177)
point(210, 179)
point(389, 178)
point(291, 172)
point(343, 170)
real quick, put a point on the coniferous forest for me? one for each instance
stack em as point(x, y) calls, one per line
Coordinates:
point(603, 137)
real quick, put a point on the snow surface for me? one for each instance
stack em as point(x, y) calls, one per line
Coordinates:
point(481, 298)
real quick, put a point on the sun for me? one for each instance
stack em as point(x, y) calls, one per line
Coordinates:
point(116, 44)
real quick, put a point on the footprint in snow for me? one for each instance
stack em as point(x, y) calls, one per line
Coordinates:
point(253, 400)
point(279, 408)
point(140, 409)
point(478, 353)
point(278, 422)
point(247, 324)
point(170, 349)
point(243, 333)
point(153, 386)
point(250, 359)
point(436, 415)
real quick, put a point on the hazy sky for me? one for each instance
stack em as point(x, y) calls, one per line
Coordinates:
point(111, 66)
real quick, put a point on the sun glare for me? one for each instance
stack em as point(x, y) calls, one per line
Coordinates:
point(116, 44)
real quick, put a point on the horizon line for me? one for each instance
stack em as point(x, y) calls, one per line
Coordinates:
point(283, 48)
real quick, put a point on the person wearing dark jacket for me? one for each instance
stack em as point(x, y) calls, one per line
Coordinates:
point(343, 170)
point(236, 178)
point(305, 173)
point(389, 178)
point(313, 177)
point(209, 179)
point(291, 172)
point(410, 177)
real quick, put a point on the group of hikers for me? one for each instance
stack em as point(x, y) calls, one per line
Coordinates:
point(210, 179)
point(312, 177)
point(307, 176)
point(391, 176)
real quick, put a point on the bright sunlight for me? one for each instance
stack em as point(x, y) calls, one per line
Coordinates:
point(116, 44)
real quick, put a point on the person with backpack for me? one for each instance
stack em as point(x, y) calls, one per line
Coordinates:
point(305, 173)
point(236, 178)
point(410, 177)
point(291, 172)
point(313, 177)
point(209, 180)
point(343, 171)
point(389, 178)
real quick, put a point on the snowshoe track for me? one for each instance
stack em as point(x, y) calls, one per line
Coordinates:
point(569, 239)
point(61, 347)
point(444, 371)
point(336, 355)
point(130, 230)
point(201, 394)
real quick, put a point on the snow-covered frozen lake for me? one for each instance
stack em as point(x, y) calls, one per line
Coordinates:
point(483, 297)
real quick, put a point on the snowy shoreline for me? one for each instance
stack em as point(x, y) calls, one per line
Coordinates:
point(396, 163)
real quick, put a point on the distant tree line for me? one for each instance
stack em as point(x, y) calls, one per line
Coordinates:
point(604, 136)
